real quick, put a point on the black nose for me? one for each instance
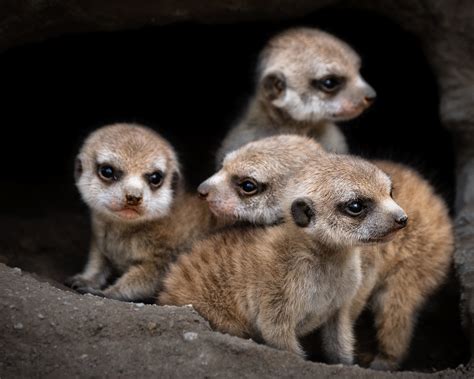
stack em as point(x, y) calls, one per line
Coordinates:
point(402, 220)
point(203, 190)
point(133, 200)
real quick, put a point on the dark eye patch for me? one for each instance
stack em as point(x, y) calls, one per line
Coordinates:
point(155, 179)
point(108, 173)
point(357, 207)
point(329, 84)
point(248, 186)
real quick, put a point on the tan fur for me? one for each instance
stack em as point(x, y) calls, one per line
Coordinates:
point(222, 189)
point(286, 101)
point(399, 275)
point(136, 241)
point(282, 282)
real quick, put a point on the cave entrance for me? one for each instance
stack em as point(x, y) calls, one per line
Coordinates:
point(190, 82)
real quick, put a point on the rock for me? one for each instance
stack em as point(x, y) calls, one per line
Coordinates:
point(190, 336)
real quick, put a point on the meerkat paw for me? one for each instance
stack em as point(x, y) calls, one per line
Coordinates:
point(383, 364)
point(78, 281)
point(92, 291)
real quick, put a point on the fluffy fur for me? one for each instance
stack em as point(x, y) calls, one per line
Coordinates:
point(281, 282)
point(137, 211)
point(398, 276)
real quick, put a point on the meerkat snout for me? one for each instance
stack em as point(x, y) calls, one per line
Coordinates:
point(203, 190)
point(133, 191)
point(133, 200)
point(402, 221)
point(396, 214)
point(370, 95)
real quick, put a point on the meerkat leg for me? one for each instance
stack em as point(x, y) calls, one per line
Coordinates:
point(139, 282)
point(338, 339)
point(95, 274)
point(280, 333)
point(395, 307)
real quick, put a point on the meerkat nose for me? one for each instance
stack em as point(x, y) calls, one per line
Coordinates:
point(203, 190)
point(370, 95)
point(133, 200)
point(401, 220)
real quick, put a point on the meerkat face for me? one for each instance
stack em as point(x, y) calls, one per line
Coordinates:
point(241, 195)
point(249, 184)
point(127, 173)
point(313, 77)
point(348, 202)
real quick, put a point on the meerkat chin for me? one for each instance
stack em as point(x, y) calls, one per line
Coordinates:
point(307, 80)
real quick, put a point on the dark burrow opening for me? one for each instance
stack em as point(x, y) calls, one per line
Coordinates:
point(190, 82)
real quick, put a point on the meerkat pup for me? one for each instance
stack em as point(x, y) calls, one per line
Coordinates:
point(398, 275)
point(129, 177)
point(281, 282)
point(249, 186)
point(307, 80)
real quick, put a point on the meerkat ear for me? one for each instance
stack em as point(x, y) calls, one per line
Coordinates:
point(77, 168)
point(302, 211)
point(175, 181)
point(273, 85)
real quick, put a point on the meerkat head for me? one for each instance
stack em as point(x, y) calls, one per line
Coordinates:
point(312, 76)
point(345, 201)
point(250, 183)
point(127, 173)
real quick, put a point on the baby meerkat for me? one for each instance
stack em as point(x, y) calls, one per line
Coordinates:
point(398, 275)
point(307, 80)
point(141, 218)
point(247, 188)
point(281, 282)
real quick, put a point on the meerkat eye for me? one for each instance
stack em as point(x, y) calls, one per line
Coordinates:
point(155, 179)
point(328, 84)
point(248, 187)
point(107, 173)
point(354, 208)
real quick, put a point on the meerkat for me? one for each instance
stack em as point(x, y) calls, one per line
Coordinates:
point(129, 176)
point(398, 276)
point(306, 81)
point(252, 179)
point(281, 282)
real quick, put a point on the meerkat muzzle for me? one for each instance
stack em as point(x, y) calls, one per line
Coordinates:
point(133, 200)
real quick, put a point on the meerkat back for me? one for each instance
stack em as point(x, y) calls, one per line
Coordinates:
point(307, 80)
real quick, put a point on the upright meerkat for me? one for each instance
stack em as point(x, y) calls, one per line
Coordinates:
point(141, 218)
point(307, 80)
point(283, 281)
point(398, 276)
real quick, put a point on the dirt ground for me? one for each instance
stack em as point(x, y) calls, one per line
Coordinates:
point(48, 332)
